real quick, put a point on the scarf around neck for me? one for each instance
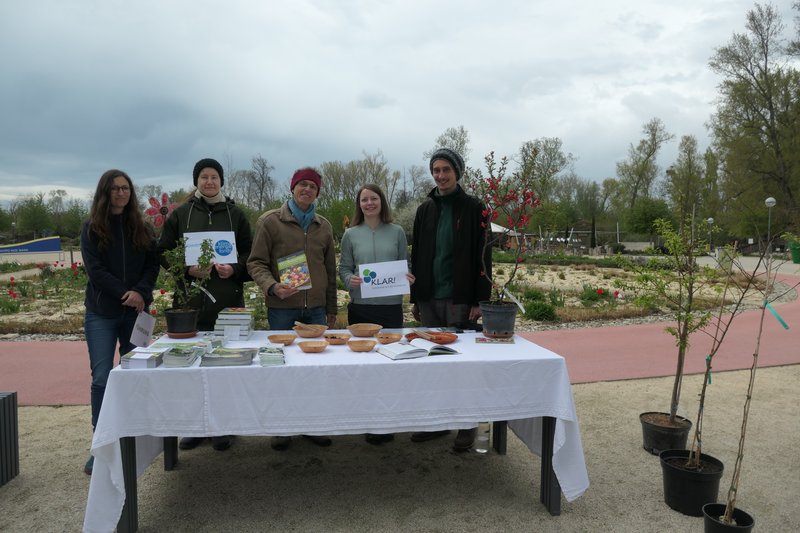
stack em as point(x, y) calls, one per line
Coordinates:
point(304, 218)
point(219, 197)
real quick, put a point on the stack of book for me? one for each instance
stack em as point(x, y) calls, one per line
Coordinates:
point(271, 355)
point(183, 354)
point(234, 323)
point(229, 357)
point(149, 357)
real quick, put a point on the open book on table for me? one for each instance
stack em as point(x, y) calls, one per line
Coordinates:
point(415, 348)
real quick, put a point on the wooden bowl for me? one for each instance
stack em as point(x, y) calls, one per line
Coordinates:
point(388, 338)
point(361, 345)
point(312, 346)
point(282, 338)
point(337, 338)
point(364, 329)
point(310, 331)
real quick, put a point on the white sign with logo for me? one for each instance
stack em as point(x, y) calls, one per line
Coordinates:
point(224, 243)
point(384, 279)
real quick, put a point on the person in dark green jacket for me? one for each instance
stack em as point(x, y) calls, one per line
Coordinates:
point(448, 259)
point(208, 209)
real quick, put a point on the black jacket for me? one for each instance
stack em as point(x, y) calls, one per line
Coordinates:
point(197, 215)
point(470, 286)
point(116, 270)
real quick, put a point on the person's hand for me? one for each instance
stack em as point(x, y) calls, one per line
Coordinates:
point(355, 282)
point(197, 272)
point(224, 270)
point(415, 312)
point(474, 313)
point(283, 291)
point(410, 277)
point(331, 321)
point(133, 299)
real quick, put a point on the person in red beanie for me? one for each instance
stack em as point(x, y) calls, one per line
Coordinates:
point(305, 292)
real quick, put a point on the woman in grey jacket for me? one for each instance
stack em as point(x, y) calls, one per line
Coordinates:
point(372, 238)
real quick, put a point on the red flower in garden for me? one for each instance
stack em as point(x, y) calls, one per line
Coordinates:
point(600, 292)
point(153, 312)
point(162, 291)
point(11, 279)
point(616, 294)
point(160, 211)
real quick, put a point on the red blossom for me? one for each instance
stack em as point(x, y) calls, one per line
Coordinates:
point(11, 279)
point(162, 291)
point(153, 312)
point(616, 294)
point(600, 292)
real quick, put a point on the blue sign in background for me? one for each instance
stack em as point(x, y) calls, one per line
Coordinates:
point(48, 244)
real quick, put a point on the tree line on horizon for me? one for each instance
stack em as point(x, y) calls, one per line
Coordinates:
point(754, 154)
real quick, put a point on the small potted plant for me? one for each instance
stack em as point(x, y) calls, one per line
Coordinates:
point(510, 202)
point(182, 317)
point(672, 280)
point(725, 516)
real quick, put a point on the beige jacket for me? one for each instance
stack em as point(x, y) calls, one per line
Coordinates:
point(277, 235)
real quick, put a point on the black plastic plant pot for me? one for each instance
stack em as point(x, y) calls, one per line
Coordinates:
point(181, 323)
point(657, 438)
point(687, 490)
point(712, 522)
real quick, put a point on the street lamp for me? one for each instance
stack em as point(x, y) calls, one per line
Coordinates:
point(770, 203)
point(710, 221)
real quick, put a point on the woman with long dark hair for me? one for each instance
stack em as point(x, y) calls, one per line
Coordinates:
point(119, 254)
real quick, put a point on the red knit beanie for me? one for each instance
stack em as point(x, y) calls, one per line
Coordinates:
point(306, 174)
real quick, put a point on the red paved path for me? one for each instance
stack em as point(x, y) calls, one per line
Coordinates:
point(57, 373)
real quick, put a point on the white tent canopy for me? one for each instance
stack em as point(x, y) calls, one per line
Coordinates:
point(497, 228)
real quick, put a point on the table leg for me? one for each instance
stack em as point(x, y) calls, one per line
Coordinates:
point(499, 436)
point(129, 519)
point(549, 487)
point(170, 452)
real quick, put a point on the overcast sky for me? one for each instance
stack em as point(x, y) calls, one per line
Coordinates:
point(150, 87)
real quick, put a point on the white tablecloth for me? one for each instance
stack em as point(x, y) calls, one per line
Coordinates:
point(332, 393)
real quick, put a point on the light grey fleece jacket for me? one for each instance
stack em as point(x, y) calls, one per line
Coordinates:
point(362, 244)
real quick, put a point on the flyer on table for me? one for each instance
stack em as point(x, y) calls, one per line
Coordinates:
point(224, 243)
point(384, 279)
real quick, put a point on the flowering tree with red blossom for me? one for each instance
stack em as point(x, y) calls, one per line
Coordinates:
point(509, 201)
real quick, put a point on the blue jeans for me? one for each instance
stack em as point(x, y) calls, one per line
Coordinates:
point(285, 318)
point(102, 335)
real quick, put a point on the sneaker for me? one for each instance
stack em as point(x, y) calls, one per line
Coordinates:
point(464, 439)
point(221, 443)
point(190, 443)
point(424, 436)
point(378, 439)
point(318, 440)
point(89, 466)
point(280, 443)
